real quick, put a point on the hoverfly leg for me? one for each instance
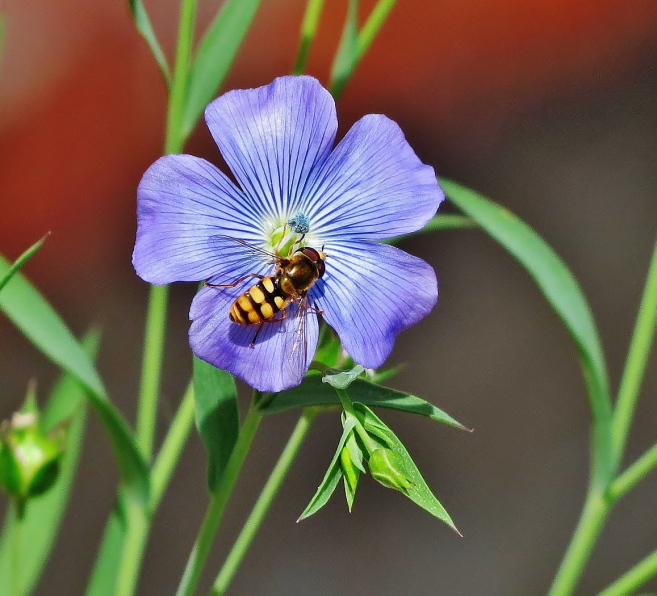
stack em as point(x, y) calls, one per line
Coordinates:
point(255, 337)
point(239, 281)
point(311, 307)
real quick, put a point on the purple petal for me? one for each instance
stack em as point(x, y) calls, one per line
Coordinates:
point(272, 138)
point(369, 293)
point(182, 202)
point(282, 353)
point(372, 187)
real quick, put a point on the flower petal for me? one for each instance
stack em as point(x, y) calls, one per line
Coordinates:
point(373, 186)
point(283, 350)
point(272, 138)
point(182, 202)
point(369, 293)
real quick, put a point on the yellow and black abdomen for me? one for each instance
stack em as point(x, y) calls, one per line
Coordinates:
point(260, 303)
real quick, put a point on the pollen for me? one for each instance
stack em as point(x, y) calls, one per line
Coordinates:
point(299, 223)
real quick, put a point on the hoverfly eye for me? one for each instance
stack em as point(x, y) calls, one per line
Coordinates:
point(320, 267)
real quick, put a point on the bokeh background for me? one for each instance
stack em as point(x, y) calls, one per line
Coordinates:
point(547, 106)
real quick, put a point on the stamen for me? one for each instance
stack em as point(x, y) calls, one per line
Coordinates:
point(299, 223)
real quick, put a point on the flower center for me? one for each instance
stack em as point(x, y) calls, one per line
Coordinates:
point(286, 239)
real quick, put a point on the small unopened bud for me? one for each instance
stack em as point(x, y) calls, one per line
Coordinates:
point(387, 466)
point(29, 459)
point(349, 469)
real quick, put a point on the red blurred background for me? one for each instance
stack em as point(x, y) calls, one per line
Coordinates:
point(547, 106)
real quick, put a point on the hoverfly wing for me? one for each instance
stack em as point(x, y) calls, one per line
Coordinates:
point(235, 252)
point(297, 359)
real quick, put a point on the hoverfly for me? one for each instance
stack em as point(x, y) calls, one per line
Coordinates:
point(268, 300)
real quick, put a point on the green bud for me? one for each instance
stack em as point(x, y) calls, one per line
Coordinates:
point(349, 469)
point(388, 467)
point(29, 459)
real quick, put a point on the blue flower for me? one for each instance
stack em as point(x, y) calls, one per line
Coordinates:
point(293, 189)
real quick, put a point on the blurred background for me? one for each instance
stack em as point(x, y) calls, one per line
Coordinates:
point(546, 106)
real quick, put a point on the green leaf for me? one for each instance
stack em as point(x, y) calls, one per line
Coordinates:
point(312, 392)
point(215, 56)
point(32, 314)
point(419, 492)
point(442, 221)
point(20, 261)
point(351, 462)
point(557, 284)
point(103, 578)
point(346, 57)
point(328, 350)
point(143, 24)
point(44, 514)
point(341, 379)
point(217, 417)
point(332, 476)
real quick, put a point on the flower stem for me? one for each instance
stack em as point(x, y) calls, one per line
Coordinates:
point(308, 32)
point(151, 369)
point(593, 516)
point(634, 578)
point(604, 491)
point(374, 22)
point(637, 357)
point(16, 548)
point(634, 474)
point(172, 446)
point(261, 507)
point(217, 505)
point(139, 518)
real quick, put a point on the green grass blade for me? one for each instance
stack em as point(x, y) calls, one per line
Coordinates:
point(39, 322)
point(143, 24)
point(44, 514)
point(312, 392)
point(217, 417)
point(308, 32)
point(560, 288)
point(105, 571)
point(346, 57)
point(17, 265)
point(215, 56)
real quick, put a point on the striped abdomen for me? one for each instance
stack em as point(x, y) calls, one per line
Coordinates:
point(260, 303)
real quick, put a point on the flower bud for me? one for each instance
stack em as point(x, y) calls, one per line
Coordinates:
point(388, 467)
point(29, 459)
point(349, 469)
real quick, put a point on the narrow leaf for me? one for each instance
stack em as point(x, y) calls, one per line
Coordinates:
point(438, 223)
point(143, 24)
point(557, 284)
point(419, 492)
point(312, 392)
point(103, 578)
point(215, 56)
point(332, 476)
point(38, 321)
point(346, 57)
point(217, 417)
point(20, 261)
point(44, 514)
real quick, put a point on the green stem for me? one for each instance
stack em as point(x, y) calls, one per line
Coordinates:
point(175, 137)
point(594, 514)
point(263, 503)
point(16, 547)
point(308, 32)
point(634, 474)
point(634, 578)
point(637, 357)
point(217, 505)
point(172, 447)
point(371, 27)
point(137, 523)
point(368, 442)
point(151, 369)
point(139, 518)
